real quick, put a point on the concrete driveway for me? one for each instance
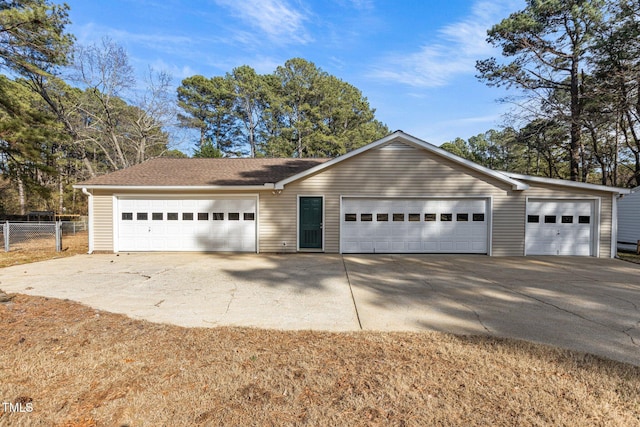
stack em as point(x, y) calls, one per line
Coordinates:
point(585, 304)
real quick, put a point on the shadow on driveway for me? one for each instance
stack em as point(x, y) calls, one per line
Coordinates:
point(584, 304)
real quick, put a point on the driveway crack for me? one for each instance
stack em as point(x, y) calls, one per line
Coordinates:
point(233, 295)
point(353, 299)
point(478, 317)
point(136, 273)
point(625, 331)
point(433, 289)
point(635, 307)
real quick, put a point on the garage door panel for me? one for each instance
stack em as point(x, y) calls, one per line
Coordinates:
point(187, 224)
point(413, 225)
point(565, 236)
point(430, 246)
point(463, 246)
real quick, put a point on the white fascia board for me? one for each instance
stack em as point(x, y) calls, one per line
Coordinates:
point(515, 184)
point(567, 183)
point(267, 186)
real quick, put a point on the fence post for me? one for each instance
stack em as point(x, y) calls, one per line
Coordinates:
point(58, 236)
point(6, 236)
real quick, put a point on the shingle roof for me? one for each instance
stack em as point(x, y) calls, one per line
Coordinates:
point(203, 172)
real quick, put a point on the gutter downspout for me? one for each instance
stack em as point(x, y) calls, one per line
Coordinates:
point(90, 205)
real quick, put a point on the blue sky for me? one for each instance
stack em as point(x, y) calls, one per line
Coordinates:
point(413, 60)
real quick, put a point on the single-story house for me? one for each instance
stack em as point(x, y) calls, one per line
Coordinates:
point(396, 195)
point(629, 220)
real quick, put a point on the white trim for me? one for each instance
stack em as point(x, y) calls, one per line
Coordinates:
point(164, 196)
point(266, 186)
point(567, 183)
point(595, 224)
point(488, 211)
point(91, 218)
point(298, 249)
point(200, 196)
point(340, 225)
point(116, 222)
point(614, 226)
point(489, 216)
point(257, 225)
point(515, 184)
point(360, 196)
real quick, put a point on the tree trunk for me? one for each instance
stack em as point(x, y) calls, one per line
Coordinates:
point(575, 143)
point(21, 196)
point(60, 193)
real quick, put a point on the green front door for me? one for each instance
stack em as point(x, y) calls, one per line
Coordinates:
point(310, 223)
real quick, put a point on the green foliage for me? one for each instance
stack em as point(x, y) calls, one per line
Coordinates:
point(298, 111)
point(32, 37)
point(209, 107)
point(31, 141)
point(174, 154)
point(493, 149)
point(207, 150)
point(549, 43)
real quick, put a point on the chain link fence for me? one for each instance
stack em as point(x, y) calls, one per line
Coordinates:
point(24, 236)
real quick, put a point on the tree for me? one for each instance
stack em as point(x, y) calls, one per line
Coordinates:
point(299, 91)
point(493, 149)
point(249, 93)
point(544, 152)
point(32, 37)
point(549, 42)
point(31, 143)
point(318, 114)
point(122, 134)
point(33, 43)
point(298, 111)
point(207, 150)
point(615, 96)
point(209, 108)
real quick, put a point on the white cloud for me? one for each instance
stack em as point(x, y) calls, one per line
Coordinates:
point(455, 52)
point(164, 43)
point(276, 19)
point(177, 72)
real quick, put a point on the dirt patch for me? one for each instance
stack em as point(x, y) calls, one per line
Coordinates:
point(78, 366)
point(629, 256)
point(44, 249)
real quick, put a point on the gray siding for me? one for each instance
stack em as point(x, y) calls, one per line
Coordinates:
point(629, 218)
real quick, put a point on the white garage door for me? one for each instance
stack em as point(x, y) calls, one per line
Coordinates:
point(414, 225)
point(149, 224)
point(559, 227)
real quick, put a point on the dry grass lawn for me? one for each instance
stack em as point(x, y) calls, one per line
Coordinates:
point(43, 249)
point(629, 256)
point(81, 367)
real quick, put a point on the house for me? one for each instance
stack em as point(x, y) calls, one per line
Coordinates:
point(629, 221)
point(396, 195)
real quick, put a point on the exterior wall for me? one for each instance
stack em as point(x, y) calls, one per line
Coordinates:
point(399, 170)
point(102, 221)
point(395, 170)
point(628, 219)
